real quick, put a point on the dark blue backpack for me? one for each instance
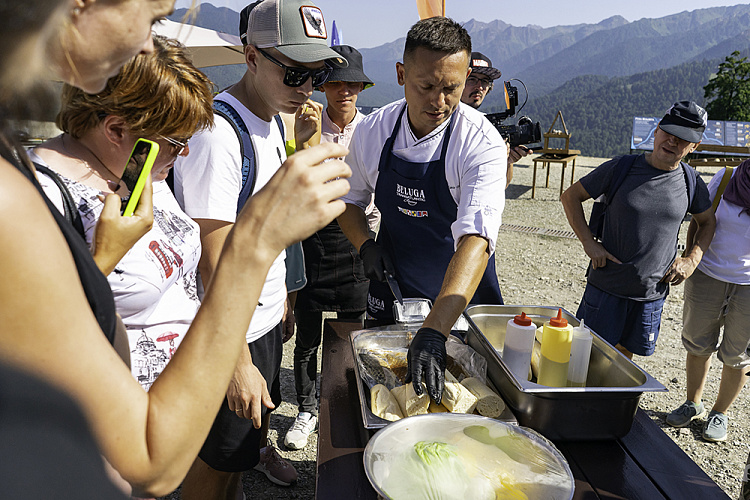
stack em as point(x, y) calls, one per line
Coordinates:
point(295, 261)
point(249, 172)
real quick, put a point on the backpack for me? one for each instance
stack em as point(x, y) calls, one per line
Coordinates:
point(295, 261)
point(247, 150)
point(621, 169)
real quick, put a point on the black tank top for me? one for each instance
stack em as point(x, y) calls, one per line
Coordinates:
point(95, 284)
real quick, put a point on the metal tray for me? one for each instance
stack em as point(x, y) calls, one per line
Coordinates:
point(604, 409)
point(392, 337)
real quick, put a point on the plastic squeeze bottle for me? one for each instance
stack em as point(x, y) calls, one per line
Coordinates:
point(556, 340)
point(580, 353)
point(519, 342)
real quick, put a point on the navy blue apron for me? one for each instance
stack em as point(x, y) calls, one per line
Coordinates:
point(417, 211)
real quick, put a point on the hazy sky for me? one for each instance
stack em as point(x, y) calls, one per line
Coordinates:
point(371, 23)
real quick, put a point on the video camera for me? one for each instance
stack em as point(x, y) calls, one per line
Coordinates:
point(525, 131)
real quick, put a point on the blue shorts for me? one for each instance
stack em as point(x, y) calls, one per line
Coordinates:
point(631, 323)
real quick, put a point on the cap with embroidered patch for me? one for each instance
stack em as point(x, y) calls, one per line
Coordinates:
point(685, 120)
point(482, 65)
point(296, 28)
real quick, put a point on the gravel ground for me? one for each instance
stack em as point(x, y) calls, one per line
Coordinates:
point(547, 270)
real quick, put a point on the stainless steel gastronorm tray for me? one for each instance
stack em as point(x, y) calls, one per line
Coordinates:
point(604, 409)
point(390, 337)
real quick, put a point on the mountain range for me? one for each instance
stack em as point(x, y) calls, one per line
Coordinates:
point(602, 66)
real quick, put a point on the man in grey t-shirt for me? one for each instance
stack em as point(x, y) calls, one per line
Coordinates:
point(635, 262)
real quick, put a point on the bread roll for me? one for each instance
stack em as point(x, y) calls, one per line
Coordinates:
point(383, 404)
point(457, 398)
point(410, 403)
point(489, 404)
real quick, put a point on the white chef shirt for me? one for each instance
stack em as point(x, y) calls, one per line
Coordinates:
point(475, 164)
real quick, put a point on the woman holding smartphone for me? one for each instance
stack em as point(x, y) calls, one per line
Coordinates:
point(162, 97)
point(57, 317)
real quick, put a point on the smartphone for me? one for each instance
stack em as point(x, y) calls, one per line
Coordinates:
point(136, 171)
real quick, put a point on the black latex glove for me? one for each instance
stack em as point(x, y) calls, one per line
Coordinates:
point(375, 260)
point(426, 360)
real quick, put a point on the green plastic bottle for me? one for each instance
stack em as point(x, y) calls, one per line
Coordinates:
point(557, 336)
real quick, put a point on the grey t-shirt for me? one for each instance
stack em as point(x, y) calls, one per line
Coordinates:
point(641, 226)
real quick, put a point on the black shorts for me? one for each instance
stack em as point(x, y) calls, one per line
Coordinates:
point(233, 444)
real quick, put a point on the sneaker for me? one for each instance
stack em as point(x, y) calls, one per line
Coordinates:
point(276, 469)
point(686, 413)
point(299, 432)
point(715, 428)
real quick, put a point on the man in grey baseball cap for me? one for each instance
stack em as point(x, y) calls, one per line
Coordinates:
point(634, 260)
point(295, 28)
point(287, 56)
point(685, 120)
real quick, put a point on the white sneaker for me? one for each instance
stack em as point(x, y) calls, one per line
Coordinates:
point(303, 426)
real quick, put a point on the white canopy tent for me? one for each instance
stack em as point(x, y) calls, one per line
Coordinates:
point(207, 47)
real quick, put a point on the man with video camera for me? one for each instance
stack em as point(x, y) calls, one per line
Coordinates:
point(478, 85)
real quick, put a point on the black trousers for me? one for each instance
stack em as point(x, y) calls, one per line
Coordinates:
point(309, 336)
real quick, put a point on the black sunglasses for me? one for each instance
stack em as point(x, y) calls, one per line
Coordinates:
point(296, 77)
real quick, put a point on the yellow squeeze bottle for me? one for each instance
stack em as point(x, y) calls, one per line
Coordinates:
point(557, 337)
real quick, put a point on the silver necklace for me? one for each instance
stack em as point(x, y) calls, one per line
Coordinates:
point(113, 184)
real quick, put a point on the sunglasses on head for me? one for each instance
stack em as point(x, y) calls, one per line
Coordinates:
point(296, 77)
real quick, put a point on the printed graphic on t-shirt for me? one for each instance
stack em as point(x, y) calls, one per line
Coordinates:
point(154, 284)
point(150, 355)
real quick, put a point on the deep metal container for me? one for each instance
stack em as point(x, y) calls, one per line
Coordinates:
point(604, 409)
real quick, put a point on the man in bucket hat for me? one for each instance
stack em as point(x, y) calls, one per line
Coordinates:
point(287, 55)
point(635, 260)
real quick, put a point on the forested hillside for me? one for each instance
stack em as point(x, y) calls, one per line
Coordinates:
point(600, 75)
point(599, 111)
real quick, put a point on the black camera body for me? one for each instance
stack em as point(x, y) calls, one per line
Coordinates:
point(525, 131)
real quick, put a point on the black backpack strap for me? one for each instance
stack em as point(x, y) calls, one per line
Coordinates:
point(70, 210)
point(249, 172)
point(596, 219)
point(280, 123)
point(691, 180)
point(621, 171)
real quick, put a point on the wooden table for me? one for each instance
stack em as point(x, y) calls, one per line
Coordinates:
point(549, 157)
point(644, 465)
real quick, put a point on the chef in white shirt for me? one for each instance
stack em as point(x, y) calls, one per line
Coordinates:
point(437, 168)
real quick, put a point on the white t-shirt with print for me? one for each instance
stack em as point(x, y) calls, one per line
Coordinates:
point(208, 183)
point(728, 257)
point(154, 285)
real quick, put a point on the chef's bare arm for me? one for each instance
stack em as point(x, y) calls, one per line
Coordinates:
point(461, 280)
point(353, 223)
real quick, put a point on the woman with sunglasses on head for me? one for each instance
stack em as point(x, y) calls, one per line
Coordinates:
point(162, 97)
point(57, 315)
